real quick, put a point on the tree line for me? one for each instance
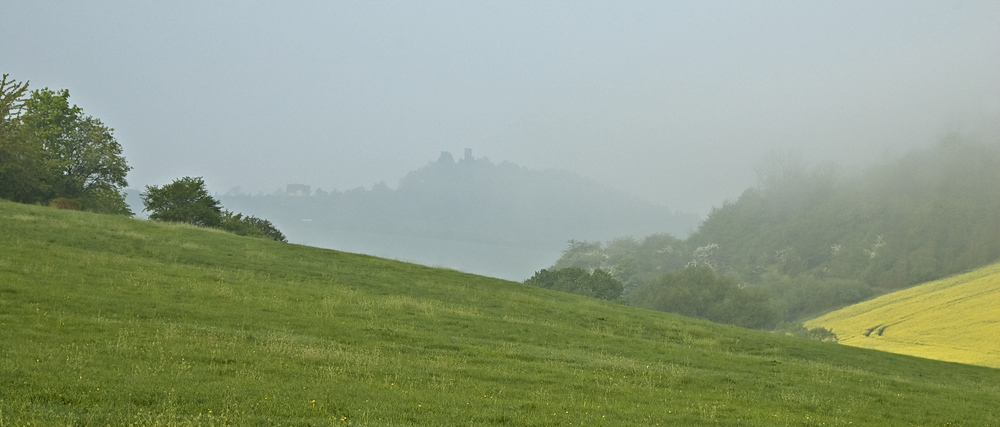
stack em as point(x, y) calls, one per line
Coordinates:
point(809, 239)
point(52, 153)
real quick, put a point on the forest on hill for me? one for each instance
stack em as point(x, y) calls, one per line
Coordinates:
point(495, 219)
point(814, 239)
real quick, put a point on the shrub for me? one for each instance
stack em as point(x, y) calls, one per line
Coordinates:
point(64, 203)
point(798, 330)
point(250, 226)
point(576, 280)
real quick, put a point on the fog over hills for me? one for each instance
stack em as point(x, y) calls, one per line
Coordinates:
point(672, 101)
point(474, 215)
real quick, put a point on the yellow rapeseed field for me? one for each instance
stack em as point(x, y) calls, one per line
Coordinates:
point(956, 319)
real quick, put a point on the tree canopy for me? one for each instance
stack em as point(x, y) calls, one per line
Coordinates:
point(183, 200)
point(50, 149)
point(23, 167)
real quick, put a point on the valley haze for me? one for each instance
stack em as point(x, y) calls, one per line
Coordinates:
point(500, 220)
point(672, 102)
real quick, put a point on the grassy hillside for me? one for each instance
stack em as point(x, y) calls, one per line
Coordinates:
point(954, 319)
point(111, 321)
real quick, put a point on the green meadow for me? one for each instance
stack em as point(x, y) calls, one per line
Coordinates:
point(106, 320)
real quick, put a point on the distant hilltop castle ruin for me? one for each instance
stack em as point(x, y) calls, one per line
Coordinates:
point(298, 190)
point(446, 155)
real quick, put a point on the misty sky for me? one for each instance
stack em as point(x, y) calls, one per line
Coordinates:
point(673, 101)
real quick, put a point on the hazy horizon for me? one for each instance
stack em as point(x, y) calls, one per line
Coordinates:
point(672, 102)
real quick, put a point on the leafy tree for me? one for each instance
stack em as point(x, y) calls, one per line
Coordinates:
point(11, 104)
point(49, 149)
point(24, 173)
point(183, 200)
point(85, 160)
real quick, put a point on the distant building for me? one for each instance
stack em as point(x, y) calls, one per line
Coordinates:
point(297, 190)
point(468, 154)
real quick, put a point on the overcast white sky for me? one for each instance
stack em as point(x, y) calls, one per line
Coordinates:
point(673, 101)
